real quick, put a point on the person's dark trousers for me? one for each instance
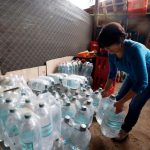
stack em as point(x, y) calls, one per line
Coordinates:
point(135, 105)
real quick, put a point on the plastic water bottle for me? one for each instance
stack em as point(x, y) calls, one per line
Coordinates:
point(12, 130)
point(76, 103)
point(81, 138)
point(103, 106)
point(68, 110)
point(96, 99)
point(66, 132)
point(30, 133)
point(56, 119)
point(112, 122)
point(4, 112)
point(90, 107)
point(46, 126)
point(82, 117)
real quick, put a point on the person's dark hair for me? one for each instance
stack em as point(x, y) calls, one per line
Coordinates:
point(111, 33)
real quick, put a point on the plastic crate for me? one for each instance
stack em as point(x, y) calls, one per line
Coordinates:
point(101, 73)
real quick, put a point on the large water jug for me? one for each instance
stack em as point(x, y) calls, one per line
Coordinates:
point(90, 108)
point(56, 118)
point(83, 116)
point(30, 136)
point(103, 106)
point(46, 126)
point(69, 109)
point(66, 132)
point(12, 132)
point(76, 103)
point(112, 122)
point(96, 99)
point(81, 138)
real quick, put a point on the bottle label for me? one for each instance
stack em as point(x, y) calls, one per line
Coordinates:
point(13, 131)
point(47, 130)
point(27, 146)
point(27, 140)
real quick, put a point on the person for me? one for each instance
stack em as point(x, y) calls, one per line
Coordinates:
point(134, 59)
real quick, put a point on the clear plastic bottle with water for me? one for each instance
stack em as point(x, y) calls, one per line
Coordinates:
point(82, 117)
point(56, 119)
point(68, 109)
point(46, 126)
point(4, 112)
point(103, 106)
point(12, 130)
point(96, 99)
point(76, 103)
point(66, 132)
point(30, 136)
point(112, 122)
point(90, 108)
point(81, 138)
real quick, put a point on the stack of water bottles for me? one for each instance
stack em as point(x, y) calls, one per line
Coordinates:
point(53, 113)
point(76, 67)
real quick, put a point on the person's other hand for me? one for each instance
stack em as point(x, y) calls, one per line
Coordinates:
point(105, 93)
point(119, 106)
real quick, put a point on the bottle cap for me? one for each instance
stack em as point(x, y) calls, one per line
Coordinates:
point(67, 118)
point(27, 116)
point(41, 105)
point(8, 100)
point(83, 108)
point(82, 127)
point(27, 101)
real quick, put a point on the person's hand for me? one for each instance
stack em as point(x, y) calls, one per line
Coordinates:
point(105, 93)
point(119, 106)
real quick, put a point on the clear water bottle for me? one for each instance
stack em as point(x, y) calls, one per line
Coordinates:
point(90, 107)
point(103, 106)
point(76, 103)
point(82, 117)
point(112, 122)
point(96, 99)
point(66, 132)
point(46, 126)
point(68, 109)
point(56, 119)
point(30, 136)
point(12, 130)
point(4, 112)
point(81, 138)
